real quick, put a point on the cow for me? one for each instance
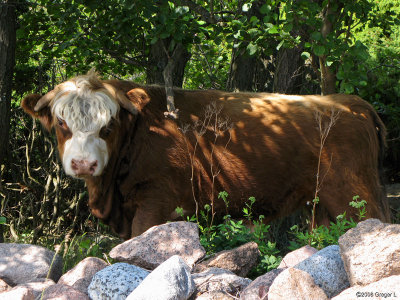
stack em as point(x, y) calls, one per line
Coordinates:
point(139, 166)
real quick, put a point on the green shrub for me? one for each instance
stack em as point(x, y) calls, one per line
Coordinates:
point(322, 236)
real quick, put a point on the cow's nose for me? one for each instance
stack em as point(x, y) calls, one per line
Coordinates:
point(83, 167)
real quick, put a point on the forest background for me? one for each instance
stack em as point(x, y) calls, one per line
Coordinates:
point(289, 46)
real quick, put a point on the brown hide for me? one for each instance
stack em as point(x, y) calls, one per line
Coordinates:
point(269, 150)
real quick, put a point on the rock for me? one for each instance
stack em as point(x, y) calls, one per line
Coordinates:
point(116, 281)
point(386, 288)
point(215, 296)
point(259, 288)
point(293, 258)
point(4, 286)
point(81, 275)
point(63, 292)
point(159, 243)
point(20, 263)
point(169, 281)
point(17, 293)
point(327, 269)
point(239, 260)
point(371, 251)
point(295, 284)
point(38, 286)
point(219, 280)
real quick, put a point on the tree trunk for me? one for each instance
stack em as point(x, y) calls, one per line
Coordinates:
point(7, 60)
point(158, 60)
point(328, 78)
point(288, 71)
point(249, 73)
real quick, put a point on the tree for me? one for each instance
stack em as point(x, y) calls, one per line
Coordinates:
point(7, 59)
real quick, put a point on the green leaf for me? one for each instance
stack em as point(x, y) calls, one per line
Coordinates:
point(305, 55)
point(154, 40)
point(251, 48)
point(246, 7)
point(288, 27)
point(265, 9)
point(319, 50)
point(273, 30)
point(316, 35)
point(280, 45)
point(3, 220)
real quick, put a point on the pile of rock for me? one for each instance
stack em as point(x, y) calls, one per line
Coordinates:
point(167, 262)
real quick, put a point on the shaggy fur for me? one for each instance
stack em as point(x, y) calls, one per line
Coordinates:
point(248, 144)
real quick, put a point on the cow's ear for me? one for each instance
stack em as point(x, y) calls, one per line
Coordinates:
point(41, 111)
point(121, 98)
point(138, 97)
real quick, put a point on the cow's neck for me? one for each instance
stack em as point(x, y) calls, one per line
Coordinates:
point(102, 189)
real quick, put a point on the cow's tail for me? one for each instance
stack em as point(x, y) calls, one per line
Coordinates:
point(381, 135)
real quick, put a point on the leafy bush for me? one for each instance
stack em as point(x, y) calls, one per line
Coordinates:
point(232, 233)
point(322, 236)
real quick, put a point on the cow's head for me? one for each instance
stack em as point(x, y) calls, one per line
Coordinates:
point(84, 112)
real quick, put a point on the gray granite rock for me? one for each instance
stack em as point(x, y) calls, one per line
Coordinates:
point(159, 243)
point(21, 263)
point(327, 269)
point(169, 281)
point(116, 282)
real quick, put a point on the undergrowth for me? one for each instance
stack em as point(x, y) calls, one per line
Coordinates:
point(215, 236)
point(230, 233)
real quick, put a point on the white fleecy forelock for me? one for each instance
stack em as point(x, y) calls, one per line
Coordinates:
point(85, 111)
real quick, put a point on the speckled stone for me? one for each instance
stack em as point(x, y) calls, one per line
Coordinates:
point(116, 282)
point(159, 243)
point(327, 269)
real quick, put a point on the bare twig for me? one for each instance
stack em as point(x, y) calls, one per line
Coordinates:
point(324, 128)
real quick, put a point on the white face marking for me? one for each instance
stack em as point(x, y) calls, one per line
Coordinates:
point(85, 111)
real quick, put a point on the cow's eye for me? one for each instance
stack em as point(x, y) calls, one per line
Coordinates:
point(60, 122)
point(106, 130)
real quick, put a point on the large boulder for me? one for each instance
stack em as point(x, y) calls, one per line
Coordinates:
point(116, 281)
point(169, 281)
point(371, 251)
point(21, 263)
point(327, 269)
point(159, 243)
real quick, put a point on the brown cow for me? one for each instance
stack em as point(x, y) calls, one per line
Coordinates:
point(139, 166)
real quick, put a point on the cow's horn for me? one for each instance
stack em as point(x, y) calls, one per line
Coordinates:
point(45, 100)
